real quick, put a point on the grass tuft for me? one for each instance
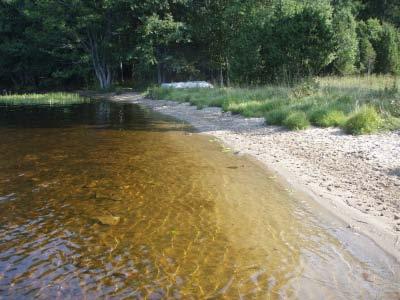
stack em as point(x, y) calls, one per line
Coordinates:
point(297, 120)
point(365, 121)
point(329, 118)
point(277, 116)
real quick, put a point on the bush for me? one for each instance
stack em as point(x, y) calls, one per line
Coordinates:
point(330, 118)
point(277, 116)
point(297, 121)
point(365, 121)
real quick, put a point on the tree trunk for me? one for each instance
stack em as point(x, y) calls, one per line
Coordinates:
point(103, 75)
point(100, 65)
point(221, 76)
point(228, 81)
point(121, 66)
point(159, 76)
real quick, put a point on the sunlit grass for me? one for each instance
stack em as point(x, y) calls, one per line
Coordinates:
point(38, 99)
point(325, 102)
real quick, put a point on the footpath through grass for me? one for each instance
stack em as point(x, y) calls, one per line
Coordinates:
point(359, 105)
point(40, 99)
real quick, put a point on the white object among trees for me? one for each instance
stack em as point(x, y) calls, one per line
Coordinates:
point(188, 85)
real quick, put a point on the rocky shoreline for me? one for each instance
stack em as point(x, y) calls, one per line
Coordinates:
point(357, 178)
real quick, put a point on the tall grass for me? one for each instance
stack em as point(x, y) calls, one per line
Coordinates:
point(38, 99)
point(323, 102)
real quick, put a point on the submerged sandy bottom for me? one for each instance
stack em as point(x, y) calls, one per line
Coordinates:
point(354, 177)
point(126, 203)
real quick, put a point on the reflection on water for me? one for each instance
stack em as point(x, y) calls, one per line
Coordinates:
point(110, 200)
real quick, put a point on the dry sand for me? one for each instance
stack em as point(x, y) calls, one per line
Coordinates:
point(357, 178)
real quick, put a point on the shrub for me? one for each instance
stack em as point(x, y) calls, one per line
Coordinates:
point(365, 121)
point(277, 116)
point(297, 121)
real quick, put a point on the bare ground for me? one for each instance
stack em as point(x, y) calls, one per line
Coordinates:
point(355, 177)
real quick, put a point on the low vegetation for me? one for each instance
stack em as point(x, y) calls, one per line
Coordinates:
point(360, 105)
point(366, 120)
point(38, 99)
point(297, 120)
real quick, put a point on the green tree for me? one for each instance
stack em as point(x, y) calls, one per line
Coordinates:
point(298, 45)
point(34, 54)
point(246, 62)
point(368, 34)
point(367, 56)
point(346, 41)
point(388, 52)
point(211, 30)
point(156, 36)
point(384, 10)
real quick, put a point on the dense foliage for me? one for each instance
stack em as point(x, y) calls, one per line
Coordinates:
point(47, 44)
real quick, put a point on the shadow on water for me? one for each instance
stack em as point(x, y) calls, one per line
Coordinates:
point(112, 200)
point(96, 114)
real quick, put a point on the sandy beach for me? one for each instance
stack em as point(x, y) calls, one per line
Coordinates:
point(357, 178)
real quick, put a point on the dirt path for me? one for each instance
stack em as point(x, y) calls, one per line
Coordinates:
point(356, 178)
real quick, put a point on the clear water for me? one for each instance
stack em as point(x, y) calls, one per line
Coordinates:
point(106, 200)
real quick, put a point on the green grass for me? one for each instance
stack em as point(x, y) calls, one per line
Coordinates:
point(364, 121)
point(326, 117)
point(297, 120)
point(277, 116)
point(324, 102)
point(39, 99)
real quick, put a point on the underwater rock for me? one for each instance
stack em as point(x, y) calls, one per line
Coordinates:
point(108, 220)
point(30, 157)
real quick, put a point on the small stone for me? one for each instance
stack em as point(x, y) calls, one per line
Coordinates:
point(396, 217)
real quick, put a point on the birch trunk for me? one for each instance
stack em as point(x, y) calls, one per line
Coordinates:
point(100, 65)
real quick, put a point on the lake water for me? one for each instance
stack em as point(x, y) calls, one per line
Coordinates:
point(107, 200)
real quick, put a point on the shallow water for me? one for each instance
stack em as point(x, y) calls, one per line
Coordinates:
point(113, 201)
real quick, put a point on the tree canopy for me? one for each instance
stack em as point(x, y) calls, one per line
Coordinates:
point(50, 44)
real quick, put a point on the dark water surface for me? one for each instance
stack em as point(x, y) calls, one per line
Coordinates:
point(106, 200)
